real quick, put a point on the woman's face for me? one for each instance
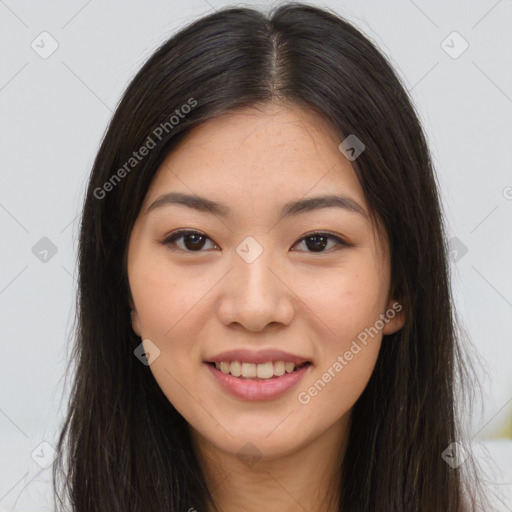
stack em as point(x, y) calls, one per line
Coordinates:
point(252, 280)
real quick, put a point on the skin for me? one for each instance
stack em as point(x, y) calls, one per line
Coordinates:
point(196, 304)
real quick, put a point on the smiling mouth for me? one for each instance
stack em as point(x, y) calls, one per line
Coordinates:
point(257, 372)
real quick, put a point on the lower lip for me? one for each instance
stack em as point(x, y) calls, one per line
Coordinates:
point(258, 389)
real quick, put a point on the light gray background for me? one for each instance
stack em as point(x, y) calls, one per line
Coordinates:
point(54, 112)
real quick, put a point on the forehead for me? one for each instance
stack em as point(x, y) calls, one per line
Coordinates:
point(265, 155)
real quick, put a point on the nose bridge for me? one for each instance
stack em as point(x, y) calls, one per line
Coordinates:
point(251, 266)
point(255, 295)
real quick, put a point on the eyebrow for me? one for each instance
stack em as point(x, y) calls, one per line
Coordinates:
point(289, 209)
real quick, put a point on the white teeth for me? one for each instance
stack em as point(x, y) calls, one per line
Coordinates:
point(236, 368)
point(265, 370)
point(279, 368)
point(251, 371)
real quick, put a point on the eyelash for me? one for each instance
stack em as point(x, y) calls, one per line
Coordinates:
point(170, 240)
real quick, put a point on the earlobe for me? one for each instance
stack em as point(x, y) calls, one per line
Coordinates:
point(395, 317)
point(134, 317)
point(134, 321)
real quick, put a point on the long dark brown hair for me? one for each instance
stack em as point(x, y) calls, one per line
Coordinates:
point(123, 446)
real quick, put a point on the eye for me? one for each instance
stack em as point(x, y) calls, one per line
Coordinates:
point(318, 241)
point(194, 241)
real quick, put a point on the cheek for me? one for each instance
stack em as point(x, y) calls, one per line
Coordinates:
point(337, 385)
point(345, 361)
point(346, 302)
point(169, 312)
point(172, 306)
point(347, 311)
point(166, 298)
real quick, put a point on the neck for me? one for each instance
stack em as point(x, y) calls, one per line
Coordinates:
point(307, 479)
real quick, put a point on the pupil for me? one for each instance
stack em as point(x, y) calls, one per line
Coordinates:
point(196, 241)
point(317, 246)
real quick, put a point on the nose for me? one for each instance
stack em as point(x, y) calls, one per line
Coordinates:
point(256, 294)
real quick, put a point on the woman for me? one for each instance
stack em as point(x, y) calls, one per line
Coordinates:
point(265, 319)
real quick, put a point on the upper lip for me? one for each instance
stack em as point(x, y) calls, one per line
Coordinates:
point(259, 357)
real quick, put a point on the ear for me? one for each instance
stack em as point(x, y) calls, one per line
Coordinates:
point(395, 315)
point(135, 321)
